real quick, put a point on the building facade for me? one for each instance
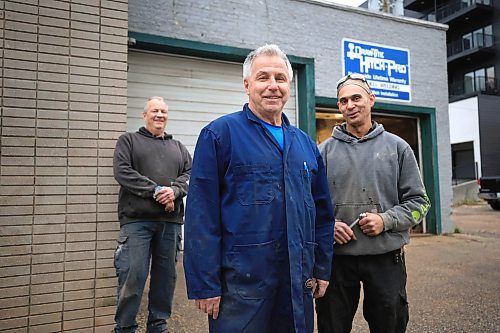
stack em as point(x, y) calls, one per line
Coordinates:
point(75, 75)
point(473, 64)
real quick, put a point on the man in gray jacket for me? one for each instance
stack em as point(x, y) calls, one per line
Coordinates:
point(378, 194)
point(153, 171)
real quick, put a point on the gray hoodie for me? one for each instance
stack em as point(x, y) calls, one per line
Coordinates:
point(141, 162)
point(377, 173)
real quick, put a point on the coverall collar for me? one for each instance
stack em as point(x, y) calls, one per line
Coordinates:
point(251, 116)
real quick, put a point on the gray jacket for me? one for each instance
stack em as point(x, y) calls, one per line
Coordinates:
point(377, 173)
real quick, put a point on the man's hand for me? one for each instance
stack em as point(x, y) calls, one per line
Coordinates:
point(320, 288)
point(343, 234)
point(209, 306)
point(372, 224)
point(165, 195)
point(169, 207)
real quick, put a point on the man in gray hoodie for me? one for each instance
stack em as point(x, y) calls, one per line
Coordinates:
point(153, 171)
point(378, 196)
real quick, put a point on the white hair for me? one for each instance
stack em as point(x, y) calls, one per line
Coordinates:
point(269, 50)
point(159, 98)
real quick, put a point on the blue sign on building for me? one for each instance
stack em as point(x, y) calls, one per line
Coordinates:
point(386, 68)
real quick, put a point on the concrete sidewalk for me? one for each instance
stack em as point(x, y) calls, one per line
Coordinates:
point(453, 280)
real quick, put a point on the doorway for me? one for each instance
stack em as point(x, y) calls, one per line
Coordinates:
point(406, 127)
point(462, 161)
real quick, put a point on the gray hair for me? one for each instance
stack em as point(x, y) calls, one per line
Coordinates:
point(269, 50)
point(159, 98)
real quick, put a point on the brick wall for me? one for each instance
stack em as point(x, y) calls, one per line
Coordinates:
point(63, 104)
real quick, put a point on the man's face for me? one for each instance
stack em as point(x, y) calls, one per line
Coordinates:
point(355, 104)
point(156, 117)
point(268, 86)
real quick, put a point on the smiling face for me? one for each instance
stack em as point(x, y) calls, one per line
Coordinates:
point(268, 88)
point(156, 116)
point(355, 104)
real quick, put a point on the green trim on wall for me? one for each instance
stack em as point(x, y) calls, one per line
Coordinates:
point(303, 66)
point(430, 170)
point(428, 136)
point(307, 99)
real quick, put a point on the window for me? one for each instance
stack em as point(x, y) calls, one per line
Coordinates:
point(482, 79)
point(488, 35)
point(469, 83)
point(478, 38)
point(467, 41)
point(479, 79)
point(490, 79)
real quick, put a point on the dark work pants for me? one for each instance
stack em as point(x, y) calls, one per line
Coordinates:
point(385, 305)
point(138, 243)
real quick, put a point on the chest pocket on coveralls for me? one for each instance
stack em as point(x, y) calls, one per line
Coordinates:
point(306, 176)
point(254, 184)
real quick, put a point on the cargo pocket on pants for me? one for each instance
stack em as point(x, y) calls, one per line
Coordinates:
point(119, 257)
point(178, 247)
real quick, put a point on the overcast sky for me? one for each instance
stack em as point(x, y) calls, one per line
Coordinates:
point(354, 3)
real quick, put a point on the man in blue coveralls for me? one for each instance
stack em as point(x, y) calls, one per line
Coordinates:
point(259, 219)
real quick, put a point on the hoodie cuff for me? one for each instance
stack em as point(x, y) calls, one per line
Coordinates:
point(176, 191)
point(387, 219)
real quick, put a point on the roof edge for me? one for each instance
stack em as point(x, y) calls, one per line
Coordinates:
point(365, 11)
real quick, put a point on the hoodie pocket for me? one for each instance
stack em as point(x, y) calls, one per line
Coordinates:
point(349, 212)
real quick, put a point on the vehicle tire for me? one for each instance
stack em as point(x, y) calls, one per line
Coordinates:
point(494, 204)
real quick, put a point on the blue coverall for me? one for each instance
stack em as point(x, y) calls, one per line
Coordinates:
point(259, 224)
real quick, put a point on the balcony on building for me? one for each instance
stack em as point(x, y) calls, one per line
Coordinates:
point(469, 9)
point(473, 86)
point(475, 46)
point(418, 5)
point(453, 12)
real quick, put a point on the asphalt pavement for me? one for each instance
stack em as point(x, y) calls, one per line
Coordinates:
point(453, 281)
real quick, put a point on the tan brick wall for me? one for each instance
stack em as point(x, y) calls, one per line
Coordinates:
point(63, 95)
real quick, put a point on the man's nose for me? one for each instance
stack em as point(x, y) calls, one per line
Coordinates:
point(350, 104)
point(272, 84)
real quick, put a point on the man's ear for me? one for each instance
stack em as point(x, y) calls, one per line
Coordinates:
point(245, 84)
point(372, 99)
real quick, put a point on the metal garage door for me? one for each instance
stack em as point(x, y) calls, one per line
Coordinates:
point(196, 91)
